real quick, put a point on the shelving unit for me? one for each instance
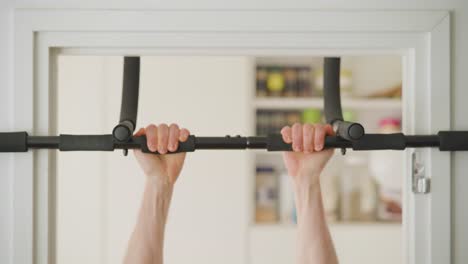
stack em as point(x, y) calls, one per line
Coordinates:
point(275, 242)
point(358, 104)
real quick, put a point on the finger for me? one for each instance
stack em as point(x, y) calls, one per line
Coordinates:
point(308, 138)
point(297, 137)
point(173, 137)
point(319, 141)
point(329, 130)
point(286, 133)
point(140, 132)
point(184, 134)
point(152, 137)
point(163, 138)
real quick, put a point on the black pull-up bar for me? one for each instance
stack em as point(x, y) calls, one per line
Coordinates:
point(349, 135)
point(129, 108)
point(332, 102)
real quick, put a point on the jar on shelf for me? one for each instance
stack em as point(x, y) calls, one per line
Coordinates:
point(358, 190)
point(275, 82)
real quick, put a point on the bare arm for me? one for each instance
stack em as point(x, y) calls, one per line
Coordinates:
point(147, 241)
point(314, 241)
point(305, 165)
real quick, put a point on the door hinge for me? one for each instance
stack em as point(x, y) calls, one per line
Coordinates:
point(421, 183)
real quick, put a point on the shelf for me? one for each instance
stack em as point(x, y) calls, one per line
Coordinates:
point(339, 224)
point(354, 242)
point(350, 103)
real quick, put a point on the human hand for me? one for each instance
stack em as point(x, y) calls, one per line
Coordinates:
point(308, 158)
point(164, 169)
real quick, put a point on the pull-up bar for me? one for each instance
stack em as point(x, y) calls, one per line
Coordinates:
point(348, 134)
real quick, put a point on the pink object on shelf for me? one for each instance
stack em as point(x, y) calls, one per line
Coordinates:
point(390, 121)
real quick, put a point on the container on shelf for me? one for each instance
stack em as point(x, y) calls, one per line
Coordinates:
point(275, 82)
point(311, 116)
point(284, 81)
point(358, 192)
point(330, 185)
point(386, 167)
point(291, 82)
point(266, 195)
point(304, 82)
point(261, 77)
point(346, 82)
point(287, 204)
point(292, 117)
point(271, 121)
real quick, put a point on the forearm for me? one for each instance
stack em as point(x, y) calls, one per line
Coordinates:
point(147, 241)
point(314, 241)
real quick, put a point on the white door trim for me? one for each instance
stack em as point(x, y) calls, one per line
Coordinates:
point(422, 37)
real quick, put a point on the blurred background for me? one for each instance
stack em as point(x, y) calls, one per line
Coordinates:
point(228, 206)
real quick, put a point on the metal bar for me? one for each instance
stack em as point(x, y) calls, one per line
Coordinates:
point(271, 142)
point(49, 142)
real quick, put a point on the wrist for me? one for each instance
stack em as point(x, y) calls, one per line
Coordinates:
point(160, 185)
point(307, 194)
point(306, 180)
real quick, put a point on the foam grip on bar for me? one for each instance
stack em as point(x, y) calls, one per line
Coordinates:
point(130, 91)
point(395, 141)
point(86, 142)
point(187, 146)
point(14, 142)
point(275, 143)
point(331, 90)
point(453, 140)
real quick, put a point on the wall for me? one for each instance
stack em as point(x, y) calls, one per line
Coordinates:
point(459, 82)
point(99, 193)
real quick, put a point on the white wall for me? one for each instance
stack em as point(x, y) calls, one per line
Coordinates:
point(99, 193)
point(459, 82)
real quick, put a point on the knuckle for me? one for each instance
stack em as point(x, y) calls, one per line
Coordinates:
point(151, 127)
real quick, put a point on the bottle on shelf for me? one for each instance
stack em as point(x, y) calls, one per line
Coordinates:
point(386, 167)
point(266, 195)
point(358, 190)
point(287, 204)
point(284, 81)
point(261, 77)
point(271, 121)
point(330, 185)
point(304, 82)
point(291, 82)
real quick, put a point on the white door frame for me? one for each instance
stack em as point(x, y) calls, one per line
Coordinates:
point(421, 37)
